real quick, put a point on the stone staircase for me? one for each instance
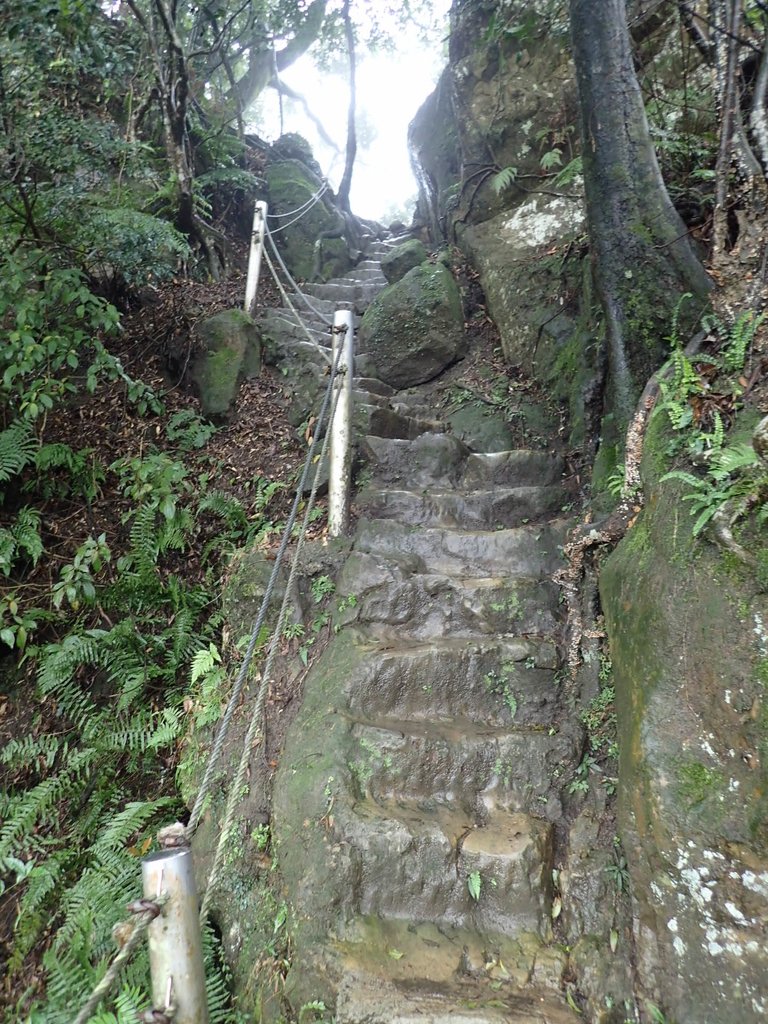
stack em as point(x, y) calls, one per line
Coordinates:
point(419, 806)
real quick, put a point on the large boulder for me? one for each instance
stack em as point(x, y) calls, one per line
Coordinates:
point(415, 328)
point(228, 350)
point(293, 185)
point(403, 258)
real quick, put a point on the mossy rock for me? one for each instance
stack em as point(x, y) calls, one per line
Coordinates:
point(405, 257)
point(291, 185)
point(228, 346)
point(415, 328)
point(687, 637)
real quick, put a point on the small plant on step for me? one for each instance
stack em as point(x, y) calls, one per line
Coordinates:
point(474, 884)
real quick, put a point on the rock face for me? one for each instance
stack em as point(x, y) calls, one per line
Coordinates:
point(415, 328)
point(402, 259)
point(497, 92)
point(291, 186)
point(689, 644)
point(229, 350)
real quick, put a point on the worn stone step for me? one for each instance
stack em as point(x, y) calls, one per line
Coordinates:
point(513, 468)
point(373, 385)
point(433, 459)
point(462, 766)
point(400, 972)
point(451, 463)
point(282, 321)
point(393, 600)
point(415, 867)
point(385, 422)
point(335, 292)
point(530, 551)
point(365, 275)
point(497, 683)
point(300, 353)
point(508, 506)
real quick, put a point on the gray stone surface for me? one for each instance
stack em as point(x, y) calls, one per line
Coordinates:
point(402, 259)
point(415, 328)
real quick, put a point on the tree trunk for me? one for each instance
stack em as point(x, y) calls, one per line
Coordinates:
point(346, 180)
point(643, 258)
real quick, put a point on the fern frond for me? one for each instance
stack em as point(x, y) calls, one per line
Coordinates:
point(734, 457)
point(503, 179)
point(41, 801)
point(17, 449)
point(31, 751)
point(145, 542)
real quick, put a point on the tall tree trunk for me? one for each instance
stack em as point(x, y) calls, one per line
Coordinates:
point(642, 255)
point(346, 180)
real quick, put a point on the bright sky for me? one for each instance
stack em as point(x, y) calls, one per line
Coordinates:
point(390, 89)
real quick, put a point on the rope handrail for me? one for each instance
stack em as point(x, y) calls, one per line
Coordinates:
point(328, 322)
point(307, 203)
point(299, 215)
point(144, 916)
point(221, 734)
point(287, 300)
point(255, 725)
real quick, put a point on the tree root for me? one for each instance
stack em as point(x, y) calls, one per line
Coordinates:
point(588, 536)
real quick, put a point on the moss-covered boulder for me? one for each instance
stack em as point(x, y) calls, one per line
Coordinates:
point(228, 350)
point(688, 631)
point(405, 257)
point(415, 328)
point(292, 185)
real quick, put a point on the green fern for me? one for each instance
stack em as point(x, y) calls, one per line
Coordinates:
point(21, 538)
point(17, 449)
point(502, 180)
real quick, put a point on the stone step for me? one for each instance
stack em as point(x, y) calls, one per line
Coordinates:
point(346, 292)
point(450, 462)
point(431, 460)
point(373, 385)
point(364, 275)
point(391, 600)
point(460, 999)
point(300, 353)
point(360, 397)
point(415, 866)
point(385, 422)
point(503, 506)
point(529, 551)
point(462, 766)
point(513, 468)
point(499, 683)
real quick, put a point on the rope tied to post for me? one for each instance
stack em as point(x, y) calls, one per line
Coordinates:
point(144, 913)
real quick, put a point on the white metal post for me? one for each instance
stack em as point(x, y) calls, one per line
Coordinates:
point(175, 944)
point(340, 459)
point(254, 256)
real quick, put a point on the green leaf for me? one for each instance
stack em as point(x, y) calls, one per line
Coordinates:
point(554, 158)
point(474, 884)
point(503, 179)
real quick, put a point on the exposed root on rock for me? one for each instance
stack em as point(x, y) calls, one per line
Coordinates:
point(587, 537)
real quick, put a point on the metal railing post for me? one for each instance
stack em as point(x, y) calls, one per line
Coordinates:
point(340, 458)
point(175, 943)
point(254, 256)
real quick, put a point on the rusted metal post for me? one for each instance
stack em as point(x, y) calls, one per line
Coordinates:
point(175, 943)
point(340, 459)
point(254, 257)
